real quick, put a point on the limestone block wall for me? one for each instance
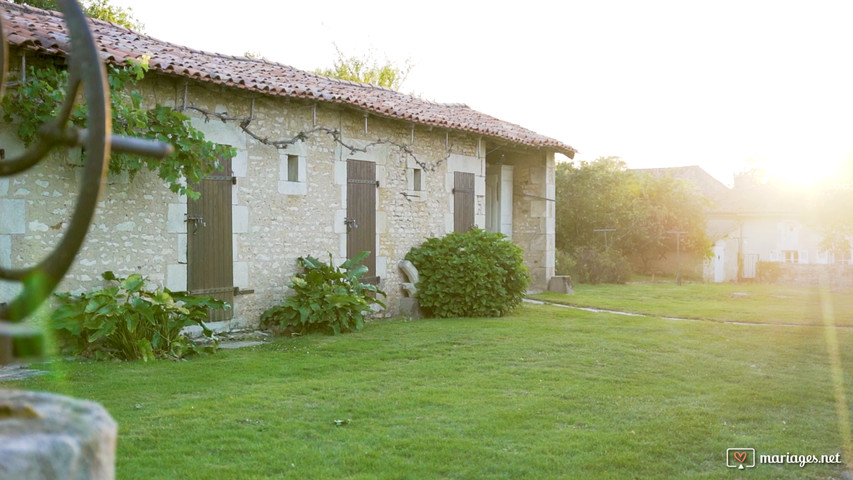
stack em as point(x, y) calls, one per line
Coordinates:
point(534, 214)
point(838, 278)
point(287, 202)
point(125, 236)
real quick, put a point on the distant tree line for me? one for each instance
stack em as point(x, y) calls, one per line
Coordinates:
point(367, 69)
point(612, 222)
point(100, 9)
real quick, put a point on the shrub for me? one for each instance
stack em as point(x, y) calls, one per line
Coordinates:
point(471, 274)
point(594, 266)
point(565, 263)
point(328, 298)
point(768, 272)
point(129, 322)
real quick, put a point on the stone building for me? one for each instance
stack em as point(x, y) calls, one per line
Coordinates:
point(758, 222)
point(357, 167)
point(763, 222)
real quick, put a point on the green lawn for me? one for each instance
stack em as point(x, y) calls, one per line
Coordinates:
point(548, 392)
point(717, 301)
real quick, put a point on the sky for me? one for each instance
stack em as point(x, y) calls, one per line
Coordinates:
point(727, 85)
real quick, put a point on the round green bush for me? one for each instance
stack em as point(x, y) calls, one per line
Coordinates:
point(472, 274)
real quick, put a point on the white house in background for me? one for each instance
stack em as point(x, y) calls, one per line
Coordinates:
point(756, 222)
point(760, 222)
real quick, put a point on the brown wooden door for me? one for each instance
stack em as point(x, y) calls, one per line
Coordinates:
point(463, 202)
point(210, 262)
point(361, 214)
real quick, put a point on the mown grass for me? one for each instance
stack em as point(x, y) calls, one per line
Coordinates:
point(722, 302)
point(544, 393)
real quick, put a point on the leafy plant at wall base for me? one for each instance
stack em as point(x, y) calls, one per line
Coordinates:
point(327, 298)
point(129, 322)
point(38, 100)
point(472, 274)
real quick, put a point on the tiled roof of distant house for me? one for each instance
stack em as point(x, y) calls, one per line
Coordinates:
point(749, 196)
point(44, 31)
point(707, 185)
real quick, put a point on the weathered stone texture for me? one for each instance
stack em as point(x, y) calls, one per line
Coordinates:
point(534, 215)
point(834, 277)
point(45, 437)
point(140, 225)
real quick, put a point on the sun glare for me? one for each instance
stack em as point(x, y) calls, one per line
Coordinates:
point(795, 173)
point(803, 173)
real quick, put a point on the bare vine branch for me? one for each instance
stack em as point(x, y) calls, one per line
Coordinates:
point(304, 135)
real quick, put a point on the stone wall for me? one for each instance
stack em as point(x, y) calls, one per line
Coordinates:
point(281, 220)
point(140, 226)
point(534, 214)
point(836, 277)
point(126, 235)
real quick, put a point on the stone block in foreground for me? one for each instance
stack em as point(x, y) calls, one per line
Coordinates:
point(46, 436)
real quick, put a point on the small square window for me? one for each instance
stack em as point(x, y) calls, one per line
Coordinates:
point(417, 179)
point(292, 168)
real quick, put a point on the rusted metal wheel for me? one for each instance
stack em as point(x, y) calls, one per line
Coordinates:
point(86, 72)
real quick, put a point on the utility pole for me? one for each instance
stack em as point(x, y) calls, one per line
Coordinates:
point(678, 234)
point(605, 230)
point(740, 239)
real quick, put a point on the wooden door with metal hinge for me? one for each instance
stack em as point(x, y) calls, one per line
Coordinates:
point(210, 256)
point(463, 202)
point(361, 214)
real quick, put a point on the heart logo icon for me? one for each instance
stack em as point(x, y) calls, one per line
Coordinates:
point(740, 456)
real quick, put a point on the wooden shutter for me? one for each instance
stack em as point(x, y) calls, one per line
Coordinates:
point(463, 201)
point(361, 214)
point(210, 254)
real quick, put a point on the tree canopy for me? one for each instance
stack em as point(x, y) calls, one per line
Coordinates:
point(833, 214)
point(367, 69)
point(100, 9)
point(640, 211)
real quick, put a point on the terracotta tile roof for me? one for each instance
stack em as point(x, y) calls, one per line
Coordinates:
point(44, 31)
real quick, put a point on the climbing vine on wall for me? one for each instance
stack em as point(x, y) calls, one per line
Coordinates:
point(38, 99)
point(337, 137)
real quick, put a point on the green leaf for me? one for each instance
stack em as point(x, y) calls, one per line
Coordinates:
point(133, 283)
point(68, 317)
point(102, 304)
point(355, 260)
point(145, 349)
point(162, 297)
point(310, 262)
point(358, 271)
point(132, 320)
point(106, 328)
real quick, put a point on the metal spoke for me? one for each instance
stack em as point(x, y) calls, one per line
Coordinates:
point(86, 72)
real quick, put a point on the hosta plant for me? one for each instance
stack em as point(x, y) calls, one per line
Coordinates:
point(127, 321)
point(326, 298)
